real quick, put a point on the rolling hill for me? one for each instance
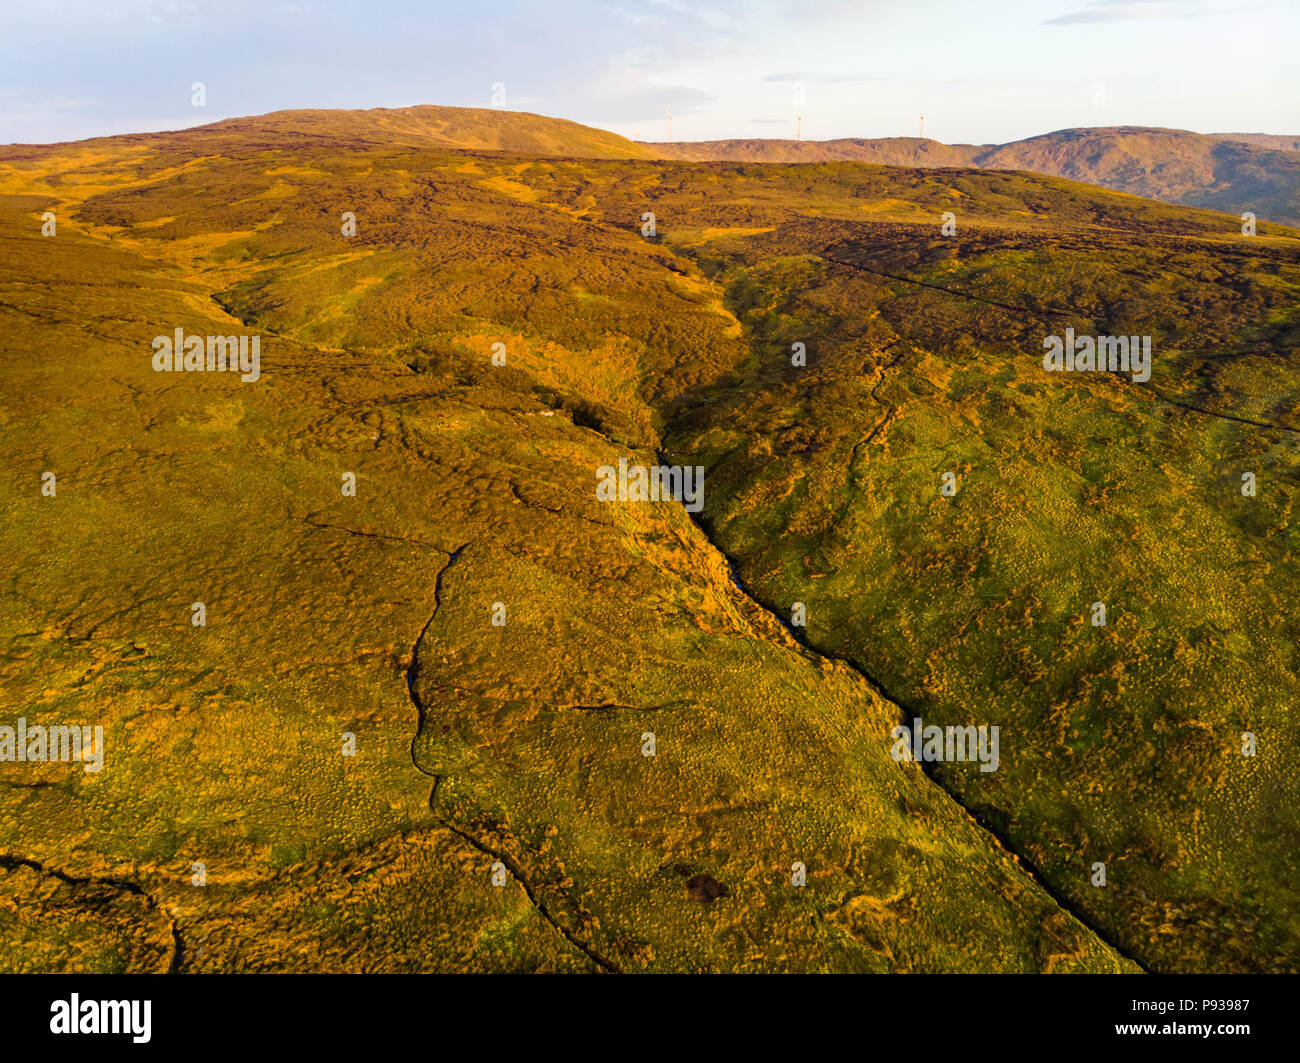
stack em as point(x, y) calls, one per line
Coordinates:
point(471, 716)
point(1228, 172)
point(427, 126)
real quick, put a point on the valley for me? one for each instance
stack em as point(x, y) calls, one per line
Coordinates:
point(499, 640)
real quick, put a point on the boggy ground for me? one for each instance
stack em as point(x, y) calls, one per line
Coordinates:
point(373, 615)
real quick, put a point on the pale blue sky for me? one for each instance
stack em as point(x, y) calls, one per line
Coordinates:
point(980, 71)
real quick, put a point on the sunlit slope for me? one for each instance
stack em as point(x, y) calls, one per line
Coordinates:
point(372, 615)
point(1230, 172)
point(223, 743)
point(423, 127)
point(1123, 743)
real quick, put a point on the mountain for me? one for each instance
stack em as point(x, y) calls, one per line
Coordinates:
point(377, 661)
point(888, 151)
point(1228, 172)
point(455, 128)
point(462, 128)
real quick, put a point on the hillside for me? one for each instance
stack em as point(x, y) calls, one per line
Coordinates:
point(1229, 172)
point(887, 151)
point(428, 127)
point(590, 735)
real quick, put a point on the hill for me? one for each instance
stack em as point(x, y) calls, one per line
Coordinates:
point(1228, 172)
point(457, 128)
point(472, 716)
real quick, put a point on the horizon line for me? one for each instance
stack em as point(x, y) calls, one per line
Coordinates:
point(148, 129)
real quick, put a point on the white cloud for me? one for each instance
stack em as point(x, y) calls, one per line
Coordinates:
point(1131, 10)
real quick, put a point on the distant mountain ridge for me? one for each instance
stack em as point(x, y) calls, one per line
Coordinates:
point(425, 126)
point(1232, 172)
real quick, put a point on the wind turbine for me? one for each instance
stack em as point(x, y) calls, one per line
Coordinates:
point(799, 128)
point(922, 127)
point(670, 124)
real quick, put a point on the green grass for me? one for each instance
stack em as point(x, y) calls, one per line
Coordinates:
point(224, 742)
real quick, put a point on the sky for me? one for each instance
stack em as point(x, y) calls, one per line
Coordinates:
point(980, 71)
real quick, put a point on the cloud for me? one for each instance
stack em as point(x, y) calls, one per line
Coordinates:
point(823, 79)
point(646, 103)
point(1132, 10)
